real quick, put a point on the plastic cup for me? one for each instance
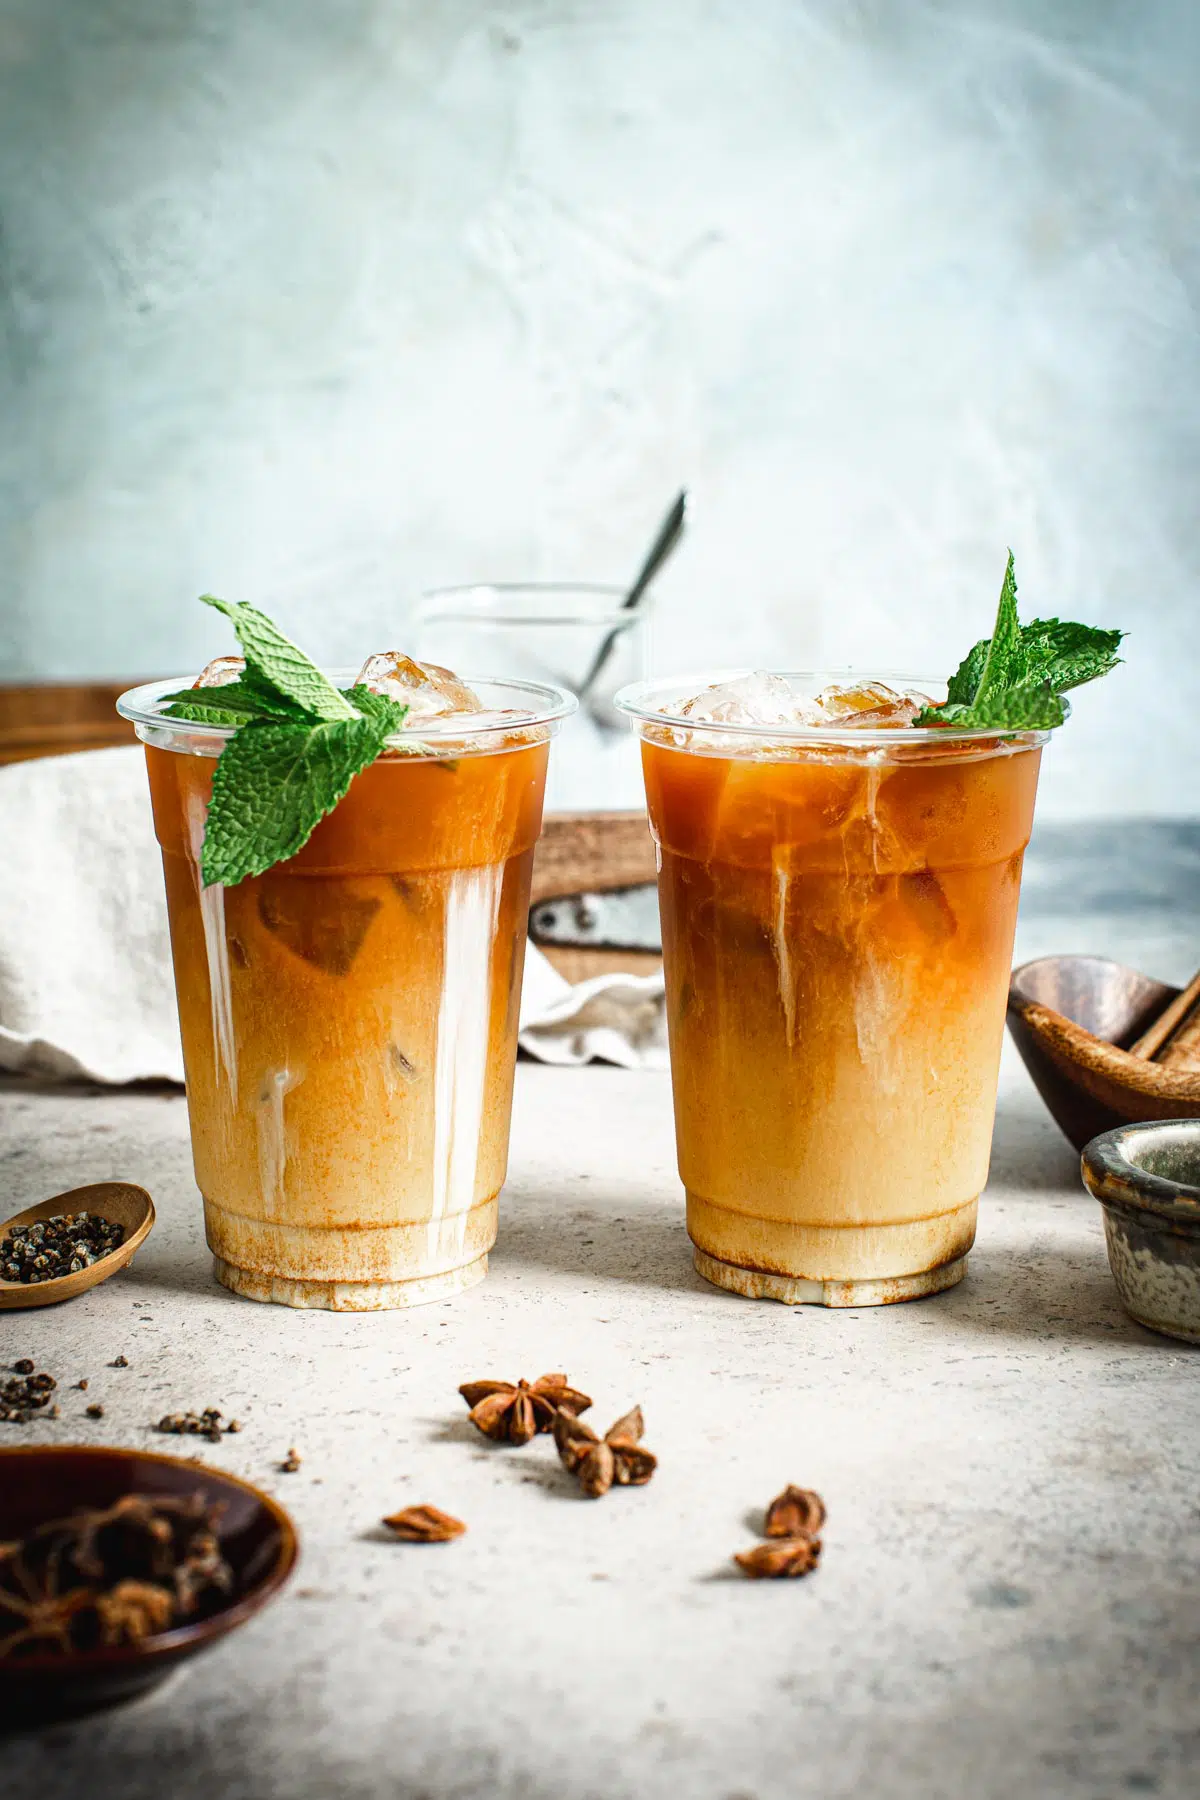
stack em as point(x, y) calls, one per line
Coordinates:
point(349, 1018)
point(838, 910)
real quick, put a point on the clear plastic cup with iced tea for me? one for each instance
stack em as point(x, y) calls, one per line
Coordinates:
point(838, 892)
point(349, 1017)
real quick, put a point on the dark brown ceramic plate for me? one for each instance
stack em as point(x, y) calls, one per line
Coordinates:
point(1072, 1019)
point(45, 1482)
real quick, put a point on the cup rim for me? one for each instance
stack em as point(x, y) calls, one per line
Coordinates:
point(637, 700)
point(469, 598)
point(142, 706)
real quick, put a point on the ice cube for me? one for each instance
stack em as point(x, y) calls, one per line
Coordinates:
point(220, 672)
point(426, 689)
point(756, 699)
point(318, 920)
point(868, 706)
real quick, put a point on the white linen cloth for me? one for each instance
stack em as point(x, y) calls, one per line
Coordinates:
point(86, 988)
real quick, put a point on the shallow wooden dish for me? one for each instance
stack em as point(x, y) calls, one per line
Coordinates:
point(1071, 1018)
point(120, 1201)
point(39, 1482)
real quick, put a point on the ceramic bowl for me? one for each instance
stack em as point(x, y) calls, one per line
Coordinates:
point(1072, 1018)
point(40, 1482)
point(1147, 1179)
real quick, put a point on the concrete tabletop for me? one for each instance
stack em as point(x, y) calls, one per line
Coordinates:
point(1008, 1602)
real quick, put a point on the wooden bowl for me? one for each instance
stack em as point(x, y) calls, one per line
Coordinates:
point(1071, 1018)
point(121, 1201)
point(39, 1482)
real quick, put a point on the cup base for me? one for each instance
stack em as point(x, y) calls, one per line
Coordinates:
point(349, 1296)
point(796, 1290)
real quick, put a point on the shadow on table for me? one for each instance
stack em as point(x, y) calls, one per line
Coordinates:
point(603, 1236)
point(1029, 1152)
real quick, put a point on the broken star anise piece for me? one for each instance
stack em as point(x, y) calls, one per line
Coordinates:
point(513, 1412)
point(796, 1512)
point(424, 1525)
point(780, 1557)
point(133, 1610)
point(597, 1462)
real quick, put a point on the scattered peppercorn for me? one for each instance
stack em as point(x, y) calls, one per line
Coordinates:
point(208, 1424)
point(290, 1463)
point(62, 1245)
point(119, 1362)
point(95, 1410)
point(27, 1396)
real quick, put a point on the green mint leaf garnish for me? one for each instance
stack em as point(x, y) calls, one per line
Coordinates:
point(377, 706)
point(965, 679)
point(298, 743)
point(1014, 680)
point(1003, 665)
point(232, 704)
point(1066, 655)
point(274, 662)
point(273, 784)
point(1034, 706)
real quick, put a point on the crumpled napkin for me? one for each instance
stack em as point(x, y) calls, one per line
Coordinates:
point(86, 988)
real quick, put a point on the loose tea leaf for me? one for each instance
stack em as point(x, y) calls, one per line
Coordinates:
point(797, 1510)
point(780, 1558)
point(597, 1463)
point(513, 1412)
point(424, 1525)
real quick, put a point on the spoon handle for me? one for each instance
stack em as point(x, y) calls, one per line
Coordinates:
point(668, 535)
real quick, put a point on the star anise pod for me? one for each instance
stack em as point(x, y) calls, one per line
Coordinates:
point(597, 1462)
point(796, 1512)
point(133, 1610)
point(512, 1413)
point(780, 1557)
point(424, 1525)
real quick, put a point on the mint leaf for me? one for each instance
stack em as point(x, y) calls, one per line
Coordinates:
point(1065, 654)
point(273, 784)
point(274, 661)
point(965, 679)
point(391, 713)
point(1014, 680)
point(232, 704)
point(1004, 664)
point(1033, 706)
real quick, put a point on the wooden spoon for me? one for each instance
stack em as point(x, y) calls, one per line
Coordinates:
point(119, 1201)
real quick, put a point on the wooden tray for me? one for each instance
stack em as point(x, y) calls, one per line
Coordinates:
point(591, 853)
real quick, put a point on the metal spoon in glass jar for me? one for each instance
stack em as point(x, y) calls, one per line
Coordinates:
point(666, 538)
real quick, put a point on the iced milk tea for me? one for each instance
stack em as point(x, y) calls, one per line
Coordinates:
point(838, 908)
point(349, 1018)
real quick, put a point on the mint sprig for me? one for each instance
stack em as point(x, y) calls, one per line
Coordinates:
point(1015, 680)
point(274, 783)
point(298, 743)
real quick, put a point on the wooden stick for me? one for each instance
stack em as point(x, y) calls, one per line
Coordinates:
point(1153, 1039)
point(1181, 1052)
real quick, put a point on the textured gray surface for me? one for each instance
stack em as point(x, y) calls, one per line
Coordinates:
point(319, 304)
point(1007, 1604)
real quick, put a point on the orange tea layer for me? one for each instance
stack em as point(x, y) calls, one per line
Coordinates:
point(349, 1025)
